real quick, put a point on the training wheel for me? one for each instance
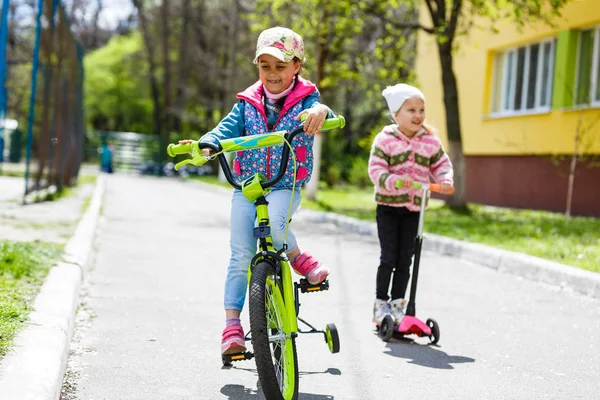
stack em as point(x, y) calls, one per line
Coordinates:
point(332, 338)
point(435, 330)
point(386, 329)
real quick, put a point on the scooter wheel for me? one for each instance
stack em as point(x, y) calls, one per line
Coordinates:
point(435, 330)
point(386, 329)
point(332, 337)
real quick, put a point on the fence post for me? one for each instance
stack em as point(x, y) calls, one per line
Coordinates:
point(3, 94)
point(34, 69)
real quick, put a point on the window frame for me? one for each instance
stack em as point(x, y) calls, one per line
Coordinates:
point(594, 93)
point(509, 57)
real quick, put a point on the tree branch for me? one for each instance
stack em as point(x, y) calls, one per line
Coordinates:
point(432, 13)
point(409, 25)
point(397, 24)
point(456, 7)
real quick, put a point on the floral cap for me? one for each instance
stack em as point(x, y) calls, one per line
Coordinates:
point(282, 43)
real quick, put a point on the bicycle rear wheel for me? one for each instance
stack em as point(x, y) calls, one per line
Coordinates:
point(274, 349)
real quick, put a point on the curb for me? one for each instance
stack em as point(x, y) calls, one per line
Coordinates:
point(34, 369)
point(526, 266)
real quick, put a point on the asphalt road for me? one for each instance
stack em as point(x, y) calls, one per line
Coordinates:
point(151, 316)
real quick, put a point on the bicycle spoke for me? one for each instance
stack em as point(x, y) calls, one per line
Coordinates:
point(278, 340)
point(274, 345)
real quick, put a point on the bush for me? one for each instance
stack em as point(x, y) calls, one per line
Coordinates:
point(332, 175)
point(359, 173)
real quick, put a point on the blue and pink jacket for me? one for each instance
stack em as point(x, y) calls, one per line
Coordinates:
point(249, 117)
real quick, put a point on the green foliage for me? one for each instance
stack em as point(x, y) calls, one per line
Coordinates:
point(552, 236)
point(332, 175)
point(352, 55)
point(116, 89)
point(359, 174)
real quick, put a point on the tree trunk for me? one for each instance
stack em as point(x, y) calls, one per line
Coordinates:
point(573, 166)
point(458, 199)
point(231, 72)
point(152, 63)
point(313, 185)
point(182, 75)
point(47, 51)
point(164, 12)
point(95, 18)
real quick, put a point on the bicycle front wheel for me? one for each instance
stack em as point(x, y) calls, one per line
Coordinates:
point(274, 349)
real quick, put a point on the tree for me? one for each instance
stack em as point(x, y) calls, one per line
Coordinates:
point(582, 141)
point(117, 97)
point(150, 47)
point(450, 19)
point(350, 57)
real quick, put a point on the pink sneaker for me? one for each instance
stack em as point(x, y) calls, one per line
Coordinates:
point(232, 340)
point(310, 268)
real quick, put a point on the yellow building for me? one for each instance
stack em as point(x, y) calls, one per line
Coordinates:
point(523, 97)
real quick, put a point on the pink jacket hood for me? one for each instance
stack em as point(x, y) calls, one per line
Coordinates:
point(254, 94)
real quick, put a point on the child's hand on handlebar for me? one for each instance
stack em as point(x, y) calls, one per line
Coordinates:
point(406, 183)
point(205, 152)
point(315, 116)
point(446, 187)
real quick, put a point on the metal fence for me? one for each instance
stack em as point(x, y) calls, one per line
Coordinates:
point(3, 64)
point(48, 71)
point(127, 151)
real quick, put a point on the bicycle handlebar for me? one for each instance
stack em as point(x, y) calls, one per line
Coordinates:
point(432, 187)
point(245, 143)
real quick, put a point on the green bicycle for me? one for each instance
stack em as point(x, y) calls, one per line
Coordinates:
point(273, 301)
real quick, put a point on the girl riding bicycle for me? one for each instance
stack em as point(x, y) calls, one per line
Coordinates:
point(276, 102)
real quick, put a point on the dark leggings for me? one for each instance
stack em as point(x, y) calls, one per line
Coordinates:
point(397, 230)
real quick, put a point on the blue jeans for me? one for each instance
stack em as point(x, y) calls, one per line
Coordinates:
point(243, 244)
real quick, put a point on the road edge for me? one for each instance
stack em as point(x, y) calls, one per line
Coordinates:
point(34, 369)
point(523, 265)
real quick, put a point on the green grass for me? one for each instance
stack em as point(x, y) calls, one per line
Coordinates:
point(211, 179)
point(23, 267)
point(13, 174)
point(574, 241)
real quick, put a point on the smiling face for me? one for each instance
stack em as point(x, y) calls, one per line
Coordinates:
point(275, 74)
point(410, 116)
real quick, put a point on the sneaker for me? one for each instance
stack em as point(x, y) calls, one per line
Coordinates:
point(380, 309)
point(398, 306)
point(232, 340)
point(310, 268)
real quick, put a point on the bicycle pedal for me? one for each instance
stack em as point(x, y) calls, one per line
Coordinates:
point(229, 358)
point(306, 287)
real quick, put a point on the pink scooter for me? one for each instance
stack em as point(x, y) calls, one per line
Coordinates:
point(411, 325)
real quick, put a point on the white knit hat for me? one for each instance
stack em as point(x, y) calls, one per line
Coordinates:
point(396, 95)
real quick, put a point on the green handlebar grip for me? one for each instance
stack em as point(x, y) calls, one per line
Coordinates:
point(330, 123)
point(415, 185)
point(188, 148)
point(176, 149)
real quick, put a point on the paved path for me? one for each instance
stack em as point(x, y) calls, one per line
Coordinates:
point(150, 317)
point(50, 221)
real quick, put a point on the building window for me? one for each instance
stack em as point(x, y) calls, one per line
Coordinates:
point(522, 81)
point(587, 90)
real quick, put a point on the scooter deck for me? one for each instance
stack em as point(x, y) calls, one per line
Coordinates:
point(412, 325)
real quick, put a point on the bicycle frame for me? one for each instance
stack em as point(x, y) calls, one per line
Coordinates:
point(255, 189)
point(268, 252)
point(274, 299)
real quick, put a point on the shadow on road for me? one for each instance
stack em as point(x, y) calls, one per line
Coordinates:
point(425, 355)
point(240, 392)
point(332, 371)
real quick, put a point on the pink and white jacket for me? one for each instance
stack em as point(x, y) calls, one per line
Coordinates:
point(395, 157)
